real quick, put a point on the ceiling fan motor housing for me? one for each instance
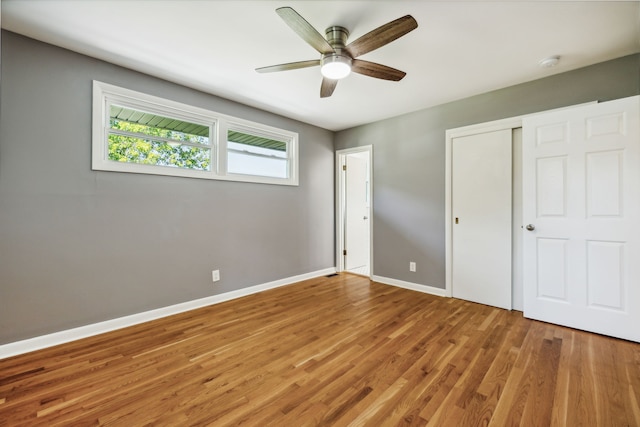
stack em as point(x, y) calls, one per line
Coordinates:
point(337, 36)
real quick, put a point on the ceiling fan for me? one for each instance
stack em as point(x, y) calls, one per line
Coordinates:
point(338, 58)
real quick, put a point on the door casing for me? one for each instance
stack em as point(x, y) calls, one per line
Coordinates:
point(340, 203)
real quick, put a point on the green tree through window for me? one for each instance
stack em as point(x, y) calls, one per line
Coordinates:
point(153, 145)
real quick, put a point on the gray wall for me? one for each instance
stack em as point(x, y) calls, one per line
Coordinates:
point(79, 246)
point(409, 160)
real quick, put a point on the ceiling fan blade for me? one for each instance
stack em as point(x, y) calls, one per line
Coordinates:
point(289, 66)
point(378, 71)
point(304, 29)
point(327, 87)
point(381, 36)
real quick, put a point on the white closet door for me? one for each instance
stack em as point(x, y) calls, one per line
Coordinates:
point(481, 208)
point(581, 196)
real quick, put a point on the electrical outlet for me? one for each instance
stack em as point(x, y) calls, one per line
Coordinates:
point(412, 266)
point(215, 275)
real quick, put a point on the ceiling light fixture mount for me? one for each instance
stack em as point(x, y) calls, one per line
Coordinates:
point(549, 62)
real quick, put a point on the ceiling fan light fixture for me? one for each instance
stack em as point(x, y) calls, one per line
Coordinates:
point(335, 66)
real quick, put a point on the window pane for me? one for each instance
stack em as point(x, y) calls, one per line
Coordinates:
point(161, 153)
point(139, 122)
point(252, 155)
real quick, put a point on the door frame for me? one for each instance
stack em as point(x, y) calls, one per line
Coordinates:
point(341, 156)
point(450, 134)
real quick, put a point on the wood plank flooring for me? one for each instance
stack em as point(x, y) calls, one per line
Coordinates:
point(339, 351)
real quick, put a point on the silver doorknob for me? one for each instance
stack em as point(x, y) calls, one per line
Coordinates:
point(530, 227)
point(366, 217)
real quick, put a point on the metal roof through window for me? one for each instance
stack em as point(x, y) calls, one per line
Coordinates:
point(149, 119)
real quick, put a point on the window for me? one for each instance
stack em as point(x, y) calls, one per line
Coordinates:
point(250, 154)
point(138, 133)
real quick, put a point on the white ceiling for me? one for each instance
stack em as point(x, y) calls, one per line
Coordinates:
point(460, 48)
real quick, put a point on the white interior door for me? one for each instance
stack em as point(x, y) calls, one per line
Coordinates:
point(481, 209)
point(357, 238)
point(581, 195)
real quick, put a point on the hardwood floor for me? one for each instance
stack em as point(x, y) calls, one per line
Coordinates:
point(334, 352)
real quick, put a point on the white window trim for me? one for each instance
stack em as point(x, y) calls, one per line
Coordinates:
point(105, 94)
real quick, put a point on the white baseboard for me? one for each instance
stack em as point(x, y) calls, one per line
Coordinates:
point(426, 289)
point(50, 340)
